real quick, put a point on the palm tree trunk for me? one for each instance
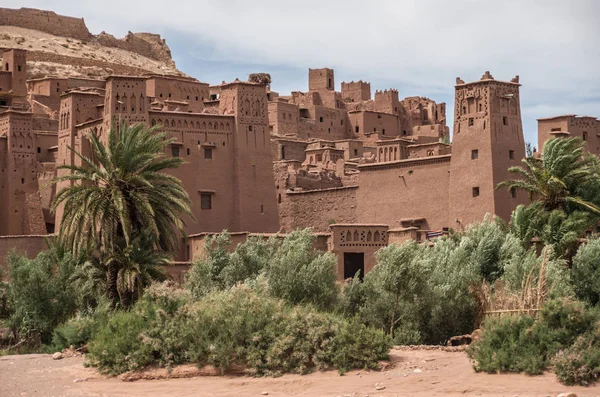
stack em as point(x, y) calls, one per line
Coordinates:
point(111, 281)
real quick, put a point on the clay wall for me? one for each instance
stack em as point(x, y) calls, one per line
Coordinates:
point(5, 81)
point(42, 122)
point(29, 246)
point(287, 149)
point(431, 133)
point(428, 150)
point(320, 79)
point(205, 142)
point(331, 124)
point(15, 62)
point(163, 88)
point(356, 91)
point(42, 143)
point(283, 118)
point(353, 148)
point(45, 173)
point(355, 237)
point(387, 102)
point(487, 140)
point(393, 191)
point(20, 183)
point(577, 126)
point(319, 208)
point(45, 21)
point(372, 126)
point(255, 196)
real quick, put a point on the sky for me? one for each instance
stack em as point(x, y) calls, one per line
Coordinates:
point(416, 46)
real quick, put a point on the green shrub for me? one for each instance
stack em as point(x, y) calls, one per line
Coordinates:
point(525, 344)
point(419, 294)
point(299, 274)
point(580, 363)
point(41, 295)
point(75, 332)
point(586, 272)
point(221, 269)
point(236, 326)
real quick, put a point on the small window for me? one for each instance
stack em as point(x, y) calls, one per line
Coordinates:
point(284, 116)
point(196, 98)
point(19, 68)
point(205, 201)
point(584, 136)
point(175, 151)
point(356, 152)
point(319, 157)
point(403, 132)
point(474, 154)
point(511, 154)
point(169, 95)
point(39, 149)
point(262, 209)
point(283, 152)
point(321, 119)
point(505, 120)
point(208, 153)
point(279, 198)
point(471, 122)
point(250, 128)
point(188, 151)
point(383, 131)
point(555, 129)
point(342, 122)
point(378, 116)
point(329, 130)
point(22, 181)
point(480, 107)
point(464, 110)
point(356, 129)
point(476, 191)
point(513, 192)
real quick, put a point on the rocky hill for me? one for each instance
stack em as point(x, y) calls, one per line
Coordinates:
point(63, 46)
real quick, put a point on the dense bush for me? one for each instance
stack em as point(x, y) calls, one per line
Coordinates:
point(586, 272)
point(299, 274)
point(291, 269)
point(418, 294)
point(526, 344)
point(580, 363)
point(4, 301)
point(40, 294)
point(236, 326)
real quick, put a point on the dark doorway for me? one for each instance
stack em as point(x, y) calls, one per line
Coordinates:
point(353, 262)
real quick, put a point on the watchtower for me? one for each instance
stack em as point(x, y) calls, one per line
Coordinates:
point(488, 139)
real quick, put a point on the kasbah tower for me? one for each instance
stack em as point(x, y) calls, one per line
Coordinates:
point(487, 140)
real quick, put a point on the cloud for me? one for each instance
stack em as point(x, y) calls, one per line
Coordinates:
point(417, 46)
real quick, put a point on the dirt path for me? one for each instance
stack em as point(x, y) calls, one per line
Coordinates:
point(413, 373)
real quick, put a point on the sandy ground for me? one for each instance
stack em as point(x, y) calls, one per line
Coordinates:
point(412, 373)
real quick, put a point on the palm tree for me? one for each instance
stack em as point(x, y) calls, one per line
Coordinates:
point(139, 265)
point(121, 192)
point(561, 178)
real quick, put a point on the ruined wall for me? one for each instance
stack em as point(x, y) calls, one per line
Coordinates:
point(318, 208)
point(45, 21)
point(146, 44)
